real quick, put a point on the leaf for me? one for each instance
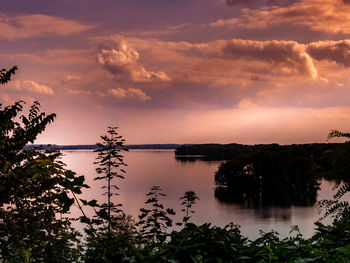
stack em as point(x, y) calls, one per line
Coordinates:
point(103, 214)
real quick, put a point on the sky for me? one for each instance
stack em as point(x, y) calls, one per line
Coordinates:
point(184, 71)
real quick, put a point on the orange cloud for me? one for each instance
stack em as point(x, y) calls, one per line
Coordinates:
point(289, 57)
point(72, 78)
point(30, 86)
point(130, 93)
point(27, 26)
point(331, 16)
point(78, 91)
point(119, 92)
point(138, 94)
point(122, 61)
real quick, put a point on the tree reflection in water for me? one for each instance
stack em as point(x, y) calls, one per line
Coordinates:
point(268, 178)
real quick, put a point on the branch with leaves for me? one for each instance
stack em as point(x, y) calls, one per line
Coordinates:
point(337, 207)
point(5, 75)
point(155, 221)
point(189, 199)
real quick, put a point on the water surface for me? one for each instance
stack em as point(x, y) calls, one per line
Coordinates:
point(159, 167)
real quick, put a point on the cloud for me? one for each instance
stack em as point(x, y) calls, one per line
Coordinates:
point(37, 25)
point(236, 2)
point(67, 57)
point(78, 91)
point(32, 86)
point(29, 86)
point(262, 2)
point(72, 78)
point(160, 32)
point(337, 51)
point(119, 92)
point(130, 93)
point(123, 62)
point(138, 94)
point(331, 16)
point(289, 56)
point(222, 72)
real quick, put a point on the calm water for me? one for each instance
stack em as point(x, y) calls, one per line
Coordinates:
point(159, 167)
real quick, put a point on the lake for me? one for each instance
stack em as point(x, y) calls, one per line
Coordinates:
point(159, 167)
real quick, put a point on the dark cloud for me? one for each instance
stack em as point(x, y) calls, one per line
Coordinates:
point(234, 2)
point(242, 2)
point(287, 54)
point(336, 51)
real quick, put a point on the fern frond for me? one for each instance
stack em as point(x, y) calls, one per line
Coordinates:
point(342, 191)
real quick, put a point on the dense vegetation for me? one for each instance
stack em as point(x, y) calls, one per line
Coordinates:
point(37, 192)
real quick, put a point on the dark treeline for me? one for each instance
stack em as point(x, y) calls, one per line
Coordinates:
point(229, 151)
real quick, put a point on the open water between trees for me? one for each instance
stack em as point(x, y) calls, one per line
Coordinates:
point(159, 167)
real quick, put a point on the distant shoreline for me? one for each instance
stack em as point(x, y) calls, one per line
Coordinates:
point(182, 150)
point(94, 147)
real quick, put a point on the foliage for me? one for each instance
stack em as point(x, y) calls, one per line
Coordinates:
point(155, 221)
point(111, 233)
point(112, 246)
point(5, 75)
point(35, 188)
point(15, 135)
point(338, 161)
point(110, 166)
point(189, 199)
point(205, 243)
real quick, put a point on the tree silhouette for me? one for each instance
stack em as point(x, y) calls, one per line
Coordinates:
point(5, 75)
point(189, 199)
point(156, 220)
point(35, 190)
point(110, 163)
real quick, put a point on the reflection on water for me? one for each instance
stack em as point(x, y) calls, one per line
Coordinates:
point(190, 158)
point(268, 179)
point(159, 167)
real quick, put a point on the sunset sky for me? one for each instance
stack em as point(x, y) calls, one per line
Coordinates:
point(181, 71)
